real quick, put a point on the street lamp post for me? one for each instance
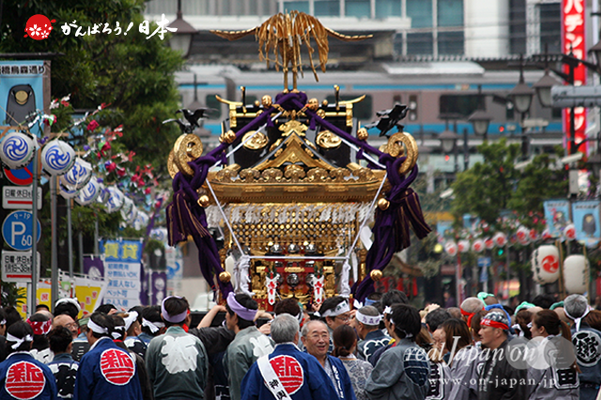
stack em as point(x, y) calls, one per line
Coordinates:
point(181, 40)
point(448, 141)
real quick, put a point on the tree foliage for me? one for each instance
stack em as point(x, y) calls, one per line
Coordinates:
point(132, 74)
point(495, 185)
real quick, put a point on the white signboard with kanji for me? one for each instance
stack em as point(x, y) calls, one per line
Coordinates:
point(16, 266)
point(19, 198)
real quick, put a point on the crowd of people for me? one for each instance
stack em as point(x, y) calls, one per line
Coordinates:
point(384, 349)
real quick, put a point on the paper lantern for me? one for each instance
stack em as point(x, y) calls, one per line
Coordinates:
point(89, 193)
point(57, 158)
point(141, 220)
point(500, 239)
point(523, 235)
point(570, 232)
point(575, 274)
point(489, 243)
point(79, 175)
point(104, 194)
point(546, 235)
point(545, 264)
point(116, 200)
point(478, 246)
point(463, 246)
point(451, 248)
point(160, 234)
point(17, 149)
point(533, 235)
point(67, 192)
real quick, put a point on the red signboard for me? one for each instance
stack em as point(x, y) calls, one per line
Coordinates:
point(573, 40)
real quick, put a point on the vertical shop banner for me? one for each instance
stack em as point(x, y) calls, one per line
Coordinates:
point(122, 269)
point(21, 90)
point(586, 220)
point(442, 227)
point(93, 267)
point(159, 287)
point(573, 40)
point(557, 215)
point(175, 269)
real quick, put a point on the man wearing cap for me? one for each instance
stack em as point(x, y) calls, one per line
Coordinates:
point(367, 324)
point(498, 378)
point(248, 345)
point(287, 373)
point(587, 342)
point(177, 362)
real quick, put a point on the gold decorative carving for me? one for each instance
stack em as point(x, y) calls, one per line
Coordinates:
point(313, 104)
point(227, 173)
point(294, 173)
point(317, 174)
point(249, 175)
point(227, 137)
point(258, 141)
point(362, 134)
point(293, 127)
point(272, 175)
point(171, 166)
point(364, 174)
point(266, 101)
point(339, 174)
point(401, 144)
point(188, 147)
point(328, 140)
point(294, 153)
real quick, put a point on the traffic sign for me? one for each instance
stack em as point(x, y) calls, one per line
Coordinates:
point(23, 176)
point(16, 266)
point(17, 230)
point(19, 197)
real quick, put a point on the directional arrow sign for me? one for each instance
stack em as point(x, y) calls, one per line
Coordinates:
point(17, 230)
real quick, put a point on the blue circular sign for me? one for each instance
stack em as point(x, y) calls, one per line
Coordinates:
point(17, 230)
point(23, 176)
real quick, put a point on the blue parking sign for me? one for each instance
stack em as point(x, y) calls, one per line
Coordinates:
point(17, 230)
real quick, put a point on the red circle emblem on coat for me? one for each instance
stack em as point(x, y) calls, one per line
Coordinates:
point(25, 380)
point(289, 371)
point(117, 366)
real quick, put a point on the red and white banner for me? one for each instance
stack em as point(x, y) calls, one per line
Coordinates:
point(573, 40)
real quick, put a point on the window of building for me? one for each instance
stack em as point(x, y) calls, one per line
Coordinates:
point(450, 43)
point(363, 110)
point(358, 8)
point(450, 13)
point(327, 8)
point(550, 27)
point(420, 44)
point(388, 8)
point(517, 26)
point(302, 6)
point(458, 105)
point(420, 12)
point(213, 103)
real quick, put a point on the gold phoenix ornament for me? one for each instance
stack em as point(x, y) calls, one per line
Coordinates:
point(281, 37)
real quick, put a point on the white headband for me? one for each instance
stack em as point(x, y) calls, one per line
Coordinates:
point(18, 342)
point(3, 322)
point(118, 332)
point(407, 335)
point(357, 304)
point(69, 300)
point(387, 310)
point(340, 309)
point(94, 327)
point(371, 320)
point(130, 319)
point(579, 319)
point(153, 326)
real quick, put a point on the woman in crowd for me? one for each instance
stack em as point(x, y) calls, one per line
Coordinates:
point(21, 375)
point(345, 345)
point(463, 359)
point(559, 380)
